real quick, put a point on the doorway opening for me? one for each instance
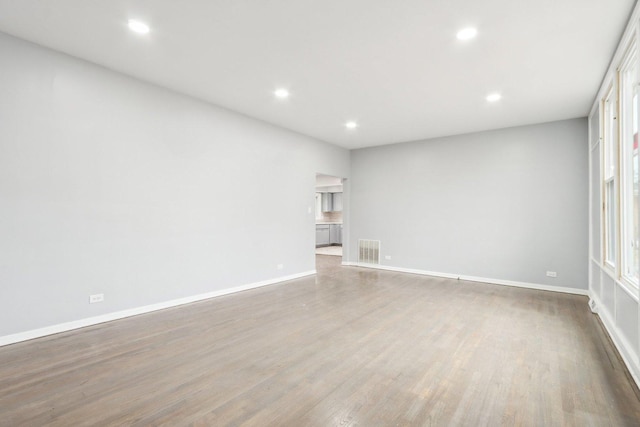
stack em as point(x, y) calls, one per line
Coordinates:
point(329, 203)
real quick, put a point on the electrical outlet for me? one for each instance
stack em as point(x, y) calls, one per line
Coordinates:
point(96, 298)
point(280, 266)
point(387, 257)
point(552, 274)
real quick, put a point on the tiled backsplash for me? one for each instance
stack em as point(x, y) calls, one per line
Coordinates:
point(330, 217)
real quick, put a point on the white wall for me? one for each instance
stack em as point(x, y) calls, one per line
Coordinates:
point(111, 185)
point(505, 205)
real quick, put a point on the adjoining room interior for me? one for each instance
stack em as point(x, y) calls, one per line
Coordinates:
point(470, 169)
point(329, 215)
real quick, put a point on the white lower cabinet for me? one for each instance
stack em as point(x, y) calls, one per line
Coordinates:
point(323, 235)
point(334, 234)
point(328, 234)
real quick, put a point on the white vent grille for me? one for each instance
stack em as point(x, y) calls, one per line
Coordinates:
point(369, 251)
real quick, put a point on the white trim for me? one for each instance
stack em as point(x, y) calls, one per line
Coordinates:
point(76, 324)
point(619, 283)
point(596, 262)
point(625, 349)
point(501, 282)
point(630, 290)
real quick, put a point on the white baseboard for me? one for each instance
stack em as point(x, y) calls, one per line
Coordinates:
point(501, 282)
point(622, 344)
point(76, 324)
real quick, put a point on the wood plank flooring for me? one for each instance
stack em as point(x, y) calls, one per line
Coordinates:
point(347, 347)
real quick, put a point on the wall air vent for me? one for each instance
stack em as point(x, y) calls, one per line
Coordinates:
point(369, 251)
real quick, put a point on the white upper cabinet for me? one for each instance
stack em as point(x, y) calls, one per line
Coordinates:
point(337, 202)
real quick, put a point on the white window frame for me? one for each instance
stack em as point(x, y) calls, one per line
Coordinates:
point(629, 79)
point(609, 182)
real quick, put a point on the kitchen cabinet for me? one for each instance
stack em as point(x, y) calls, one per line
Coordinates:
point(335, 234)
point(323, 235)
point(327, 202)
point(328, 234)
point(337, 202)
point(331, 202)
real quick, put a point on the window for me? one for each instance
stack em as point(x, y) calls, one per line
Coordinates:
point(609, 178)
point(629, 166)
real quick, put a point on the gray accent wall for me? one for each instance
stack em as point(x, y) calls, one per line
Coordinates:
point(115, 186)
point(508, 204)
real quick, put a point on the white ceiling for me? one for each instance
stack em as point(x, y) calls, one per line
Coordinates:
point(395, 67)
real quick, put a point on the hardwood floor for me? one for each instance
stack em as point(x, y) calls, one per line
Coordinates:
point(347, 347)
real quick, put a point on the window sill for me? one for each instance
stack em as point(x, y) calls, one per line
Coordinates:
point(610, 269)
point(629, 287)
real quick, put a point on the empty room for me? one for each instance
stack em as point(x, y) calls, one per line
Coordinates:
point(319, 213)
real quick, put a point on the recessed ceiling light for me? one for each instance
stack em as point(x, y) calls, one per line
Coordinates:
point(494, 97)
point(467, 33)
point(281, 93)
point(351, 125)
point(138, 26)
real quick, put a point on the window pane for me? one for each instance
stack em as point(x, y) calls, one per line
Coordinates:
point(634, 238)
point(609, 179)
point(610, 215)
point(629, 167)
point(609, 163)
point(633, 196)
